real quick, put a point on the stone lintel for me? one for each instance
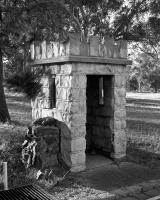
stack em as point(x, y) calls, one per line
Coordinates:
point(82, 59)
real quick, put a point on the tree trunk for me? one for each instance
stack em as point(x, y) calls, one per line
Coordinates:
point(4, 114)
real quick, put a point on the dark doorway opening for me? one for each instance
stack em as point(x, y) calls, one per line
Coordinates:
point(100, 103)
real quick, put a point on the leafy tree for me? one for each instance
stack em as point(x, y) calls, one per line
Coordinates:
point(23, 21)
point(26, 82)
point(20, 23)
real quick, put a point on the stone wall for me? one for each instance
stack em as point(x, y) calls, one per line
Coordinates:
point(71, 62)
point(47, 147)
point(75, 47)
point(70, 108)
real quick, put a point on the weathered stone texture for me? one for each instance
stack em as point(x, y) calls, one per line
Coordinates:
point(108, 47)
point(74, 145)
point(43, 49)
point(105, 123)
point(98, 69)
point(47, 145)
point(74, 159)
point(73, 46)
point(94, 46)
point(49, 50)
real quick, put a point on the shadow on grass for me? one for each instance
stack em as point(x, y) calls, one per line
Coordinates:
point(18, 98)
point(143, 157)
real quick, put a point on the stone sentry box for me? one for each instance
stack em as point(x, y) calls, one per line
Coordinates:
point(84, 87)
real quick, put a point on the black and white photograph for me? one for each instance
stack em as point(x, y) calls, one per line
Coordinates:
point(79, 99)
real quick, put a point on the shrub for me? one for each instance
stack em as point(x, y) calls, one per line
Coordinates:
point(11, 153)
point(25, 82)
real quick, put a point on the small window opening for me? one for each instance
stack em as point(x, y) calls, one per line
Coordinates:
point(52, 90)
point(101, 91)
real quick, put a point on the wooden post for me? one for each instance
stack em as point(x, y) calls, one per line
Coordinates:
point(5, 176)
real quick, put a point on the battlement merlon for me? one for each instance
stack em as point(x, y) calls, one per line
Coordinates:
point(74, 50)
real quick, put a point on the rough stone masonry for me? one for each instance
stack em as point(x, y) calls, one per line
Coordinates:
point(66, 95)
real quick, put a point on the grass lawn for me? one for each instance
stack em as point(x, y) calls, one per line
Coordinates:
point(141, 113)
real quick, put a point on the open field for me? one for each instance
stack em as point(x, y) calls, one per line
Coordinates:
point(143, 121)
point(143, 132)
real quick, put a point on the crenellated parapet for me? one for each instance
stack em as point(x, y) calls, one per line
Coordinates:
point(75, 47)
point(84, 87)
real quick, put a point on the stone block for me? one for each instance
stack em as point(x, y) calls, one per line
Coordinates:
point(79, 81)
point(61, 104)
point(118, 155)
point(93, 69)
point(116, 53)
point(120, 101)
point(94, 46)
point(78, 107)
point(55, 69)
point(64, 130)
point(57, 114)
point(119, 92)
point(78, 168)
point(77, 94)
point(62, 93)
point(73, 45)
point(49, 50)
point(74, 159)
point(36, 113)
point(47, 113)
point(55, 47)
point(122, 48)
point(74, 119)
point(43, 49)
point(37, 51)
point(66, 69)
point(119, 149)
point(62, 49)
point(120, 69)
point(120, 81)
point(78, 131)
point(45, 81)
point(101, 50)
point(119, 125)
point(47, 145)
point(71, 107)
point(73, 145)
point(120, 113)
point(108, 47)
point(84, 49)
point(119, 135)
point(65, 81)
point(46, 92)
point(45, 131)
point(41, 103)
